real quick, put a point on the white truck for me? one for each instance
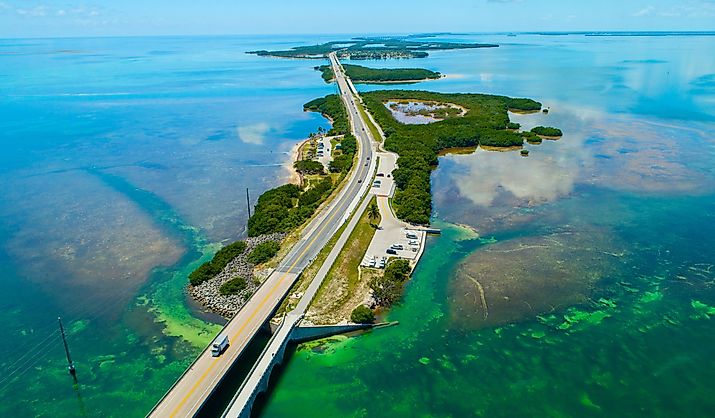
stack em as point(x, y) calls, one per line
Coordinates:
point(219, 345)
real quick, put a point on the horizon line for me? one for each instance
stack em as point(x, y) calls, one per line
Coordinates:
point(412, 34)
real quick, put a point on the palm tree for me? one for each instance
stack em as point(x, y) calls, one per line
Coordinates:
point(373, 213)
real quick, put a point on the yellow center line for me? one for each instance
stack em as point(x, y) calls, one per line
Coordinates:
point(255, 312)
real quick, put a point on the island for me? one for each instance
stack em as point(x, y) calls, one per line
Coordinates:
point(364, 75)
point(430, 123)
point(370, 48)
point(417, 126)
point(547, 131)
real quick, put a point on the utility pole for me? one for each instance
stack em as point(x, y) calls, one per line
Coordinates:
point(248, 203)
point(71, 368)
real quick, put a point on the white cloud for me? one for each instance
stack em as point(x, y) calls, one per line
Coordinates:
point(77, 12)
point(646, 11)
point(253, 134)
point(37, 11)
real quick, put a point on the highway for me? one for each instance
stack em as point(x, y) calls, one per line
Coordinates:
point(188, 394)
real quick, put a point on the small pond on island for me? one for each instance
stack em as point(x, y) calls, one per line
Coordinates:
point(421, 113)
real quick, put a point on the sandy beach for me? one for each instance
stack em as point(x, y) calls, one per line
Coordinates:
point(293, 176)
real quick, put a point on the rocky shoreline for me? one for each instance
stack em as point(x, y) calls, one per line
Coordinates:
point(207, 293)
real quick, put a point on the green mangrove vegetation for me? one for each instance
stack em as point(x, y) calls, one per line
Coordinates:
point(370, 48)
point(362, 315)
point(360, 74)
point(387, 289)
point(233, 286)
point(309, 167)
point(531, 137)
point(485, 123)
point(547, 131)
point(263, 252)
point(287, 207)
point(211, 268)
point(344, 162)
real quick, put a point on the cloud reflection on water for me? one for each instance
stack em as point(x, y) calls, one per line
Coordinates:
point(607, 151)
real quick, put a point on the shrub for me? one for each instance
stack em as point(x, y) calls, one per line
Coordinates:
point(277, 211)
point(387, 289)
point(211, 268)
point(341, 164)
point(263, 252)
point(309, 167)
point(531, 137)
point(233, 286)
point(362, 315)
point(547, 131)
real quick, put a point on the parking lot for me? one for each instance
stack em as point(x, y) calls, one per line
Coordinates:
point(383, 184)
point(324, 151)
point(393, 239)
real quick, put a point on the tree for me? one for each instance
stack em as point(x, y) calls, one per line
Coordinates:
point(233, 286)
point(263, 252)
point(362, 315)
point(373, 212)
point(387, 289)
point(309, 167)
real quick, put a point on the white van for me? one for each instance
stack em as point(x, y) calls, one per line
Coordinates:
point(219, 345)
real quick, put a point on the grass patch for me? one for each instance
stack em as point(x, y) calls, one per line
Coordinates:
point(344, 276)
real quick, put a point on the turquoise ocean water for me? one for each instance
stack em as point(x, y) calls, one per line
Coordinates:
point(124, 162)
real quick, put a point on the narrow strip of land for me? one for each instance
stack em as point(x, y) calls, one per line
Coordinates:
point(192, 389)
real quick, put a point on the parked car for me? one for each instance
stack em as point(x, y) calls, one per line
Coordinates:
point(397, 247)
point(391, 251)
point(380, 174)
point(414, 242)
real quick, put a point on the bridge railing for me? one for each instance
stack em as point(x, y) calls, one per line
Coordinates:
point(258, 361)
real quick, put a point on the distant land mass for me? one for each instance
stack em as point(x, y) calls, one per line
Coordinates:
point(360, 74)
point(371, 48)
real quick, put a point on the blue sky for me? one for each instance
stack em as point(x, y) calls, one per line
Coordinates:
point(28, 18)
